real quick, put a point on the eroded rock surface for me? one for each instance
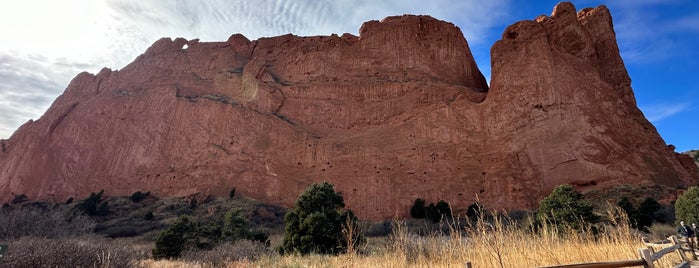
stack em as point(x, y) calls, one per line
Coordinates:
point(399, 112)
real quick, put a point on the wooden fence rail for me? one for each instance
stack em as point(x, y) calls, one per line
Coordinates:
point(648, 256)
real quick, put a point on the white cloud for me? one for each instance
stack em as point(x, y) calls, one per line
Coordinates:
point(657, 112)
point(47, 42)
point(647, 30)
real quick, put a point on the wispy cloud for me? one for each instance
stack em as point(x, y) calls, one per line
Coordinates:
point(657, 112)
point(647, 31)
point(29, 85)
point(48, 43)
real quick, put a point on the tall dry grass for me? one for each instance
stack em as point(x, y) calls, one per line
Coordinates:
point(496, 242)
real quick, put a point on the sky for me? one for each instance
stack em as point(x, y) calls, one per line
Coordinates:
point(45, 43)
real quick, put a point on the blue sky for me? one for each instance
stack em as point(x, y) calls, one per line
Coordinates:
point(45, 43)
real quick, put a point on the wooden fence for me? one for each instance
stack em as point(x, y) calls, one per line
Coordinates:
point(648, 256)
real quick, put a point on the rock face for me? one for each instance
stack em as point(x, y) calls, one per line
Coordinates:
point(399, 112)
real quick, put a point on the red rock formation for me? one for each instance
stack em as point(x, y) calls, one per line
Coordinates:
point(571, 116)
point(399, 112)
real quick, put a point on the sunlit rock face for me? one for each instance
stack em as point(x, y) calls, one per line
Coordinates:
point(399, 112)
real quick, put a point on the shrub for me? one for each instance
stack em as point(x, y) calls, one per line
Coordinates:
point(625, 204)
point(186, 234)
point(639, 219)
point(138, 196)
point(209, 233)
point(686, 208)
point(474, 211)
point(647, 213)
point(418, 209)
point(103, 209)
point(317, 222)
point(222, 254)
point(438, 212)
point(565, 206)
point(42, 219)
point(19, 199)
point(443, 208)
point(89, 204)
point(149, 216)
point(172, 240)
point(71, 252)
point(234, 226)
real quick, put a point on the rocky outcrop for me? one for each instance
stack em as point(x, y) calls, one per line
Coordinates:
point(399, 112)
point(571, 115)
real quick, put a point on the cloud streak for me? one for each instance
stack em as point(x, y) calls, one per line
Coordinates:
point(48, 43)
point(645, 36)
point(657, 112)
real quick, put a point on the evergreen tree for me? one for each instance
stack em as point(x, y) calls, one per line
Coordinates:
point(89, 205)
point(566, 206)
point(234, 226)
point(438, 212)
point(686, 208)
point(316, 224)
point(625, 204)
point(474, 211)
point(646, 213)
point(418, 209)
point(170, 242)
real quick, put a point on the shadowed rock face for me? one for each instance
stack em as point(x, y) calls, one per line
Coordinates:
point(399, 112)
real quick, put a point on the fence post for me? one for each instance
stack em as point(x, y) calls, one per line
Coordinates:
point(468, 264)
point(647, 256)
point(674, 241)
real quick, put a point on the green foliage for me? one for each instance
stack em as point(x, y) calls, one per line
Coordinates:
point(103, 209)
point(204, 234)
point(138, 196)
point(625, 204)
point(639, 219)
point(418, 209)
point(89, 205)
point(231, 195)
point(19, 199)
point(149, 216)
point(234, 226)
point(648, 213)
point(172, 240)
point(432, 212)
point(317, 223)
point(438, 212)
point(443, 208)
point(566, 206)
point(474, 211)
point(686, 208)
point(208, 234)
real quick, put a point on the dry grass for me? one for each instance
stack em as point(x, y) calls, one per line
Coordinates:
point(497, 243)
point(85, 251)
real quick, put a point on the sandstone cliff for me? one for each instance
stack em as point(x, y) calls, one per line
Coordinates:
point(399, 112)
